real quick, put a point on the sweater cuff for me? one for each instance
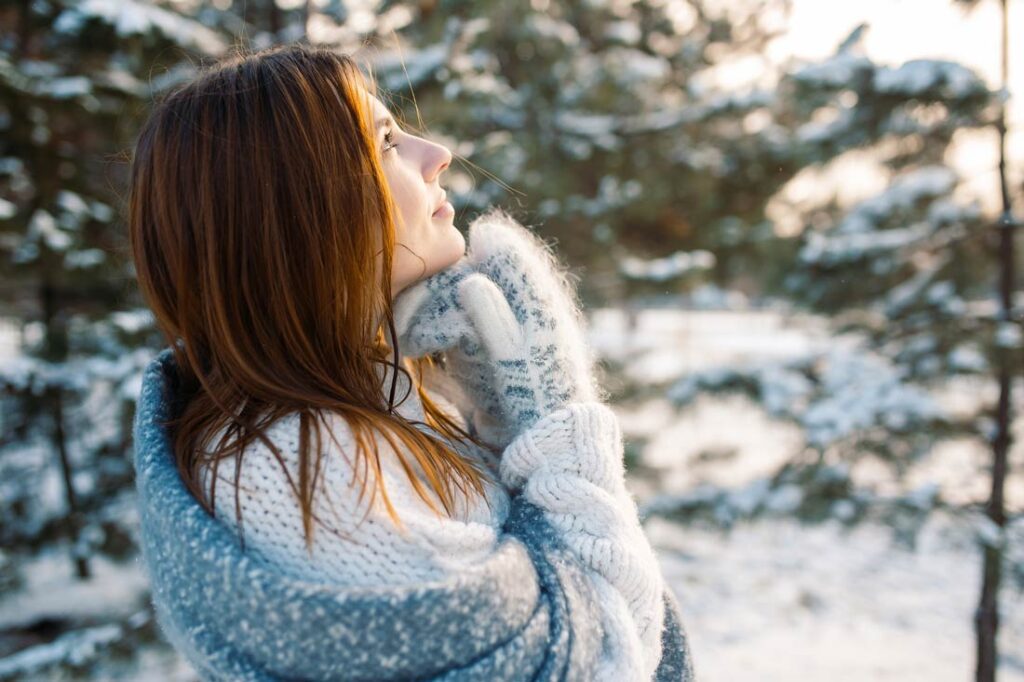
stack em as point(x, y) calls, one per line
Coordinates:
point(581, 439)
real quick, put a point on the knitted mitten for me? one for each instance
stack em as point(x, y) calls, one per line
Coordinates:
point(429, 318)
point(534, 331)
point(507, 318)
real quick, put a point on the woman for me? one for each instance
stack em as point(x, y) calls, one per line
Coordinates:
point(296, 247)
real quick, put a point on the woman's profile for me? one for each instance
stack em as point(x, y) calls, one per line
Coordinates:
point(400, 426)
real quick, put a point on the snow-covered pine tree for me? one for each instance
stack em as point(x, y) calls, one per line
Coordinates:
point(907, 277)
point(909, 272)
point(1007, 361)
point(75, 78)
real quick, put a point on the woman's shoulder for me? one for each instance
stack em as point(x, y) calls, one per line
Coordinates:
point(338, 437)
point(272, 472)
point(354, 538)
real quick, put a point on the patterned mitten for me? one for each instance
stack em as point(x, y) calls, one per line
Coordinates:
point(534, 331)
point(430, 318)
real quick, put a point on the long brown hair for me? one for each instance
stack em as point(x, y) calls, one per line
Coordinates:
point(262, 231)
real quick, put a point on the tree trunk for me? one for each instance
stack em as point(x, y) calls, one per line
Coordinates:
point(987, 614)
point(56, 351)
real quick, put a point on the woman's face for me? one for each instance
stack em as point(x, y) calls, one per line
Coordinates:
point(426, 238)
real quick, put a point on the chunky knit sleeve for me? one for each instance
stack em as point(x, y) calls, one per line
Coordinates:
point(570, 464)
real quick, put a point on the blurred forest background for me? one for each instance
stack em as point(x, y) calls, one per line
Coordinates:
point(793, 227)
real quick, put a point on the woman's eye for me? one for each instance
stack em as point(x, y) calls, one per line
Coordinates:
point(387, 139)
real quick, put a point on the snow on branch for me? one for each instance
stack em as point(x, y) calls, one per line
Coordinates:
point(905, 192)
point(129, 17)
point(670, 267)
point(833, 395)
point(863, 230)
point(945, 79)
point(24, 373)
point(837, 71)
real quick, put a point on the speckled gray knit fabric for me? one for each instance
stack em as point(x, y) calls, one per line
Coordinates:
point(527, 613)
point(507, 317)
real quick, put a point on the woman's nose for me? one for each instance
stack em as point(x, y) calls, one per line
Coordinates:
point(438, 159)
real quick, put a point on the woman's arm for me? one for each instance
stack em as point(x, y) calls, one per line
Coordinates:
point(570, 464)
point(517, 314)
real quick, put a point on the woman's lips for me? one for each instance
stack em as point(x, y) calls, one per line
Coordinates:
point(445, 208)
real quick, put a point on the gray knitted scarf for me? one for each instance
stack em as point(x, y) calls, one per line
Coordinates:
point(527, 613)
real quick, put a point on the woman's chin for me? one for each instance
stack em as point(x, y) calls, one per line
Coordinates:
point(458, 244)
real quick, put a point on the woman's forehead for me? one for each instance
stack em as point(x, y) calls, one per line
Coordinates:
point(379, 110)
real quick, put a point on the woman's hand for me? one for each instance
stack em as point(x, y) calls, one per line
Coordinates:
point(430, 318)
point(507, 319)
point(534, 330)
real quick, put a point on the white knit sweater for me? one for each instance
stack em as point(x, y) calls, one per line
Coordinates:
point(569, 464)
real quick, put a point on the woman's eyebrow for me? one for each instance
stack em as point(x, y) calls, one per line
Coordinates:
point(381, 122)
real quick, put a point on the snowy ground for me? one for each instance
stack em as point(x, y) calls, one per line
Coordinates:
point(777, 600)
point(774, 600)
point(769, 600)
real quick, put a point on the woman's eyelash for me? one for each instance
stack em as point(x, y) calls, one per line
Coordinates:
point(387, 140)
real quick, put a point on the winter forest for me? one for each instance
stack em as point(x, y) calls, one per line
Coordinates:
point(795, 227)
